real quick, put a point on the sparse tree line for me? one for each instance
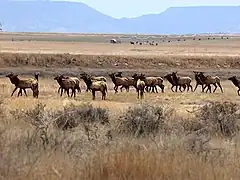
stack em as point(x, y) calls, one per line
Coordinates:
point(139, 81)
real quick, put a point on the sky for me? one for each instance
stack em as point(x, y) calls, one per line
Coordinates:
point(134, 8)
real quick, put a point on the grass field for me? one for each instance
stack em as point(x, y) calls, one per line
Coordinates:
point(165, 136)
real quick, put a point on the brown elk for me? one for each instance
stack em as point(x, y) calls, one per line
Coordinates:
point(95, 86)
point(139, 84)
point(66, 84)
point(182, 81)
point(24, 84)
point(208, 80)
point(236, 82)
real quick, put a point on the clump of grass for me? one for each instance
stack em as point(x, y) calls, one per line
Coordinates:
point(142, 120)
point(72, 116)
point(219, 118)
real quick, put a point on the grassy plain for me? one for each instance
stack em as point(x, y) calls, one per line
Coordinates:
point(88, 153)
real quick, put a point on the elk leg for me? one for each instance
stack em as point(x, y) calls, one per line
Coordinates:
point(25, 92)
point(202, 88)
point(14, 91)
point(215, 88)
point(191, 87)
point(141, 94)
point(180, 88)
point(138, 94)
point(195, 87)
point(176, 88)
point(93, 94)
point(61, 92)
point(103, 95)
point(59, 89)
point(209, 88)
point(116, 89)
point(156, 89)
point(72, 91)
point(121, 88)
point(19, 92)
point(68, 92)
point(162, 87)
point(220, 86)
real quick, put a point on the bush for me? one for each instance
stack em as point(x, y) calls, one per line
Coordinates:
point(73, 115)
point(142, 120)
point(70, 117)
point(220, 118)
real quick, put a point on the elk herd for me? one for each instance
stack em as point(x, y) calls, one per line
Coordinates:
point(140, 82)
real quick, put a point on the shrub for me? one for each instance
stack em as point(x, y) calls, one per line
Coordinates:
point(220, 118)
point(73, 115)
point(142, 120)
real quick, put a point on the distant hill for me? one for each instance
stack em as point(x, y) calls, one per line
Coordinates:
point(49, 16)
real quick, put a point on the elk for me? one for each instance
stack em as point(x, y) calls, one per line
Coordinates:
point(236, 82)
point(153, 82)
point(139, 84)
point(198, 81)
point(119, 81)
point(130, 81)
point(182, 81)
point(208, 80)
point(94, 78)
point(24, 84)
point(75, 79)
point(95, 86)
point(66, 84)
point(174, 83)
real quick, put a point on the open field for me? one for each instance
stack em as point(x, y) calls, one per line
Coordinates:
point(164, 136)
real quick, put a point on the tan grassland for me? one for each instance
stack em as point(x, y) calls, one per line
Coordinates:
point(89, 154)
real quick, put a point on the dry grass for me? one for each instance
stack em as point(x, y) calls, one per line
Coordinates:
point(98, 53)
point(165, 136)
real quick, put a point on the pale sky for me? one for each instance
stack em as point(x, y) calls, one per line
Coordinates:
point(133, 8)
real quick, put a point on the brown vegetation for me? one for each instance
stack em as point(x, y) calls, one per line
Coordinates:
point(144, 142)
point(115, 61)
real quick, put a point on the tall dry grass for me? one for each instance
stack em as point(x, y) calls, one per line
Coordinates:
point(33, 146)
point(117, 61)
